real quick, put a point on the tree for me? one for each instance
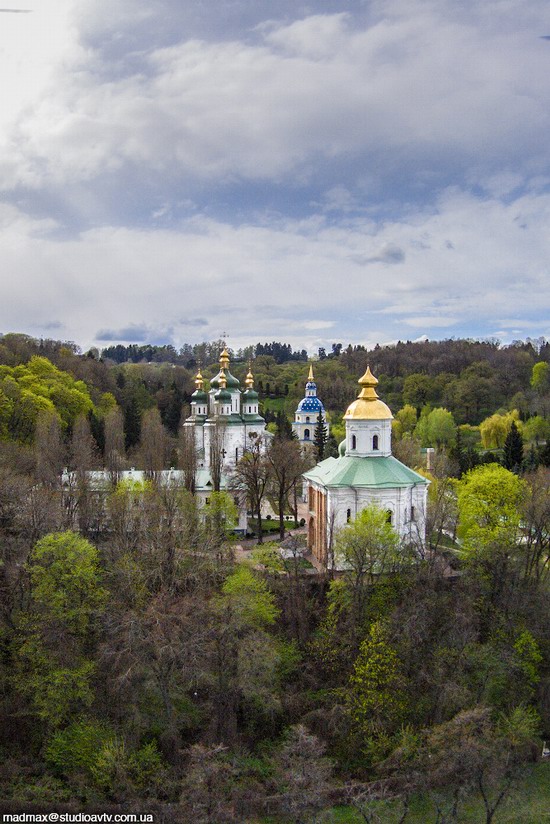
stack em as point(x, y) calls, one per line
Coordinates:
point(207, 785)
point(369, 548)
point(494, 429)
point(154, 446)
point(489, 525)
point(244, 657)
point(540, 377)
point(376, 698)
point(54, 636)
point(304, 773)
point(252, 475)
point(82, 459)
point(49, 449)
point(436, 427)
point(404, 422)
point(489, 500)
point(115, 452)
point(513, 449)
point(470, 753)
point(287, 464)
point(217, 453)
point(320, 436)
point(187, 456)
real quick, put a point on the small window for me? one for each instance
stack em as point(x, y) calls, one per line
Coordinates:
point(389, 516)
point(348, 516)
point(353, 442)
point(306, 434)
point(207, 501)
point(375, 442)
point(307, 418)
point(237, 454)
point(412, 513)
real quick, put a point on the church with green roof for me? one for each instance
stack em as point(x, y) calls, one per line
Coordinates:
point(224, 417)
point(364, 473)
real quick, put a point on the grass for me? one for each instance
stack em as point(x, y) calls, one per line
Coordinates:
point(528, 803)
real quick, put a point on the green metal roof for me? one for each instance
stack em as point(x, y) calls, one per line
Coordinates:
point(231, 381)
point(377, 472)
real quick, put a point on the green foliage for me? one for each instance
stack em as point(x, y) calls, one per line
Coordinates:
point(369, 545)
point(489, 499)
point(536, 429)
point(95, 750)
point(494, 429)
point(249, 598)
point(39, 386)
point(77, 746)
point(53, 668)
point(376, 698)
point(529, 658)
point(513, 449)
point(404, 422)
point(65, 579)
point(436, 427)
point(540, 377)
point(57, 691)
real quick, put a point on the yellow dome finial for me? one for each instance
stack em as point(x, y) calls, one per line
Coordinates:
point(224, 358)
point(310, 376)
point(368, 405)
point(199, 381)
point(223, 380)
point(249, 380)
point(368, 382)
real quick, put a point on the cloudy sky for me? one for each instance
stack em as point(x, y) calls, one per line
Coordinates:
point(310, 172)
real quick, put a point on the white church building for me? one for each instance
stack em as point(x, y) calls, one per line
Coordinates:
point(365, 472)
point(224, 417)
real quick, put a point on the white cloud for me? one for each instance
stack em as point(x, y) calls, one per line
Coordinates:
point(209, 276)
point(431, 88)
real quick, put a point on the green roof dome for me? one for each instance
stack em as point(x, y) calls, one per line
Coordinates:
point(199, 396)
point(231, 381)
point(223, 396)
point(250, 396)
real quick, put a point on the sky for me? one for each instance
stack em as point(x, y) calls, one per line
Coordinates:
point(308, 172)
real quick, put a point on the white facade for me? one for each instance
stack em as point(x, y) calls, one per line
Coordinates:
point(365, 473)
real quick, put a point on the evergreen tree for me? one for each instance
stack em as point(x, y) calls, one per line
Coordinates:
point(320, 436)
point(513, 449)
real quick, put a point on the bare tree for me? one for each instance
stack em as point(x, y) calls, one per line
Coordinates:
point(82, 456)
point(49, 449)
point(286, 466)
point(187, 456)
point(217, 454)
point(252, 475)
point(115, 453)
point(154, 447)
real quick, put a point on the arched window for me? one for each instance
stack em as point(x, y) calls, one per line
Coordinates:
point(412, 513)
point(306, 434)
point(307, 418)
point(353, 442)
point(348, 516)
point(375, 441)
point(389, 516)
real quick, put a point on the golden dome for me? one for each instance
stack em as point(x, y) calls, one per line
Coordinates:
point(368, 406)
point(224, 359)
point(223, 380)
point(310, 376)
point(249, 380)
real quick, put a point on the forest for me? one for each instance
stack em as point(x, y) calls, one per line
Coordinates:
point(148, 666)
